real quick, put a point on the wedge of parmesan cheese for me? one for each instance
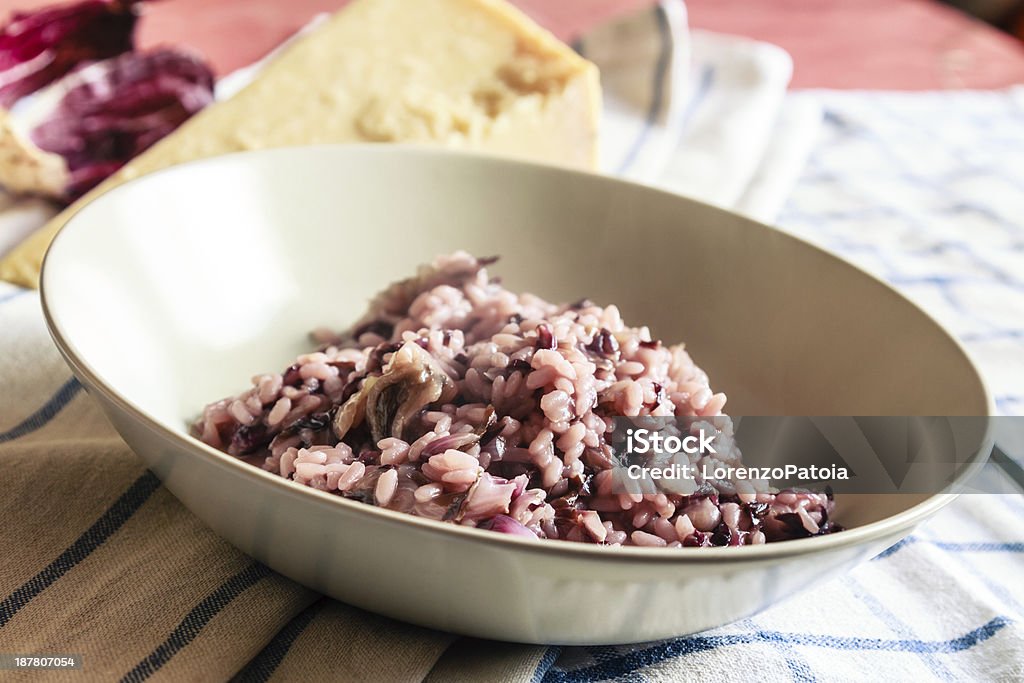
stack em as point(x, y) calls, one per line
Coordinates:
point(471, 74)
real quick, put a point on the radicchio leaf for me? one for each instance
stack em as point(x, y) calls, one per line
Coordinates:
point(114, 110)
point(37, 48)
point(77, 102)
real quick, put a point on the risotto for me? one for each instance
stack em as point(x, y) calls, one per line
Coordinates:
point(456, 399)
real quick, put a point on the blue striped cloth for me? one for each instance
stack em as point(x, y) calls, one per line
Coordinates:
point(926, 192)
point(936, 214)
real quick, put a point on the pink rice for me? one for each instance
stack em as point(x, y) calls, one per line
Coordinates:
point(458, 400)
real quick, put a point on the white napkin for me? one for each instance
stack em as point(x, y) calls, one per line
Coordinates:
point(644, 63)
point(731, 130)
point(786, 152)
point(699, 113)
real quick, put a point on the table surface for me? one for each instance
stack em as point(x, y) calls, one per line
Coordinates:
point(847, 44)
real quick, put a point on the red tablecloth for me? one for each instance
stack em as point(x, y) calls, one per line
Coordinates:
point(871, 44)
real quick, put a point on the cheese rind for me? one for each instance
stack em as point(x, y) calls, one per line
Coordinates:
point(470, 74)
point(24, 168)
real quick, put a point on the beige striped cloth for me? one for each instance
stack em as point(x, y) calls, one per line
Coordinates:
point(99, 560)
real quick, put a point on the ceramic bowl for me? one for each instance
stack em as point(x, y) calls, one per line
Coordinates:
point(174, 289)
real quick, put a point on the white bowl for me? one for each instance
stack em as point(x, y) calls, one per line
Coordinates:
point(174, 289)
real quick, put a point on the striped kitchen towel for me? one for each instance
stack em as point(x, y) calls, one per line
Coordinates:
point(101, 561)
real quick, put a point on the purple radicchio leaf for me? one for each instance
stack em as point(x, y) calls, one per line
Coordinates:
point(37, 48)
point(115, 109)
point(545, 339)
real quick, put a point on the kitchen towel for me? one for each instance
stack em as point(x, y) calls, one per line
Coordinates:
point(99, 560)
point(923, 191)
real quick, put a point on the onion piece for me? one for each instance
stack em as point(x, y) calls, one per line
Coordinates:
point(506, 525)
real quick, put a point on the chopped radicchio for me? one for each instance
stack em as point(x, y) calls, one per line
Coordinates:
point(77, 100)
point(116, 109)
point(248, 439)
point(37, 48)
point(545, 339)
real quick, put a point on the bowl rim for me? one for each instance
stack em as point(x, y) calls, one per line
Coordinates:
point(854, 536)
